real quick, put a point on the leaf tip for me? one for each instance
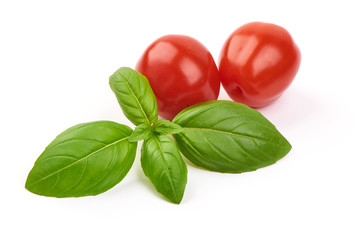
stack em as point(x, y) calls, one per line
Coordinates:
point(177, 202)
point(27, 185)
point(175, 199)
point(287, 145)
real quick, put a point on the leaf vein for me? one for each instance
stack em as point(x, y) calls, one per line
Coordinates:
point(225, 157)
point(81, 177)
point(133, 94)
point(100, 149)
point(234, 134)
point(168, 172)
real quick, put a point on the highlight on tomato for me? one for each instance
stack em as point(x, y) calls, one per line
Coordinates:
point(257, 63)
point(181, 72)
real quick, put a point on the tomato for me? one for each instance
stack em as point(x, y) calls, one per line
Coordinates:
point(181, 72)
point(257, 63)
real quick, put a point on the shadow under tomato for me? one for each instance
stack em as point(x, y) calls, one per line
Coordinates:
point(292, 108)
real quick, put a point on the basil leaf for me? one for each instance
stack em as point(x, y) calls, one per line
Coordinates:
point(135, 96)
point(86, 159)
point(163, 165)
point(226, 136)
point(141, 132)
point(164, 127)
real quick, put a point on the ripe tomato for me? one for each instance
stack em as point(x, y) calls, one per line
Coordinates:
point(181, 72)
point(257, 63)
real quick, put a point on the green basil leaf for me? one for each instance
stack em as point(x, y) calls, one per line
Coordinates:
point(165, 127)
point(141, 132)
point(135, 96)
point(86, 159)
point(226, 136)
point(163, 165)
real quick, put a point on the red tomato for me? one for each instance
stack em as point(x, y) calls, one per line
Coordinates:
point(257, 63)
point(181, 72)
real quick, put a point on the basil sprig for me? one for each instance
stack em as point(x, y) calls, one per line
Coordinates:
point(160, 158)
point(91, 158)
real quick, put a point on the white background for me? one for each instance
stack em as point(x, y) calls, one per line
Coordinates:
point(55, 60)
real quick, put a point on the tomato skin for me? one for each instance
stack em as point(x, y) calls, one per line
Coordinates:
point(257, 63)
point(181, 72)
